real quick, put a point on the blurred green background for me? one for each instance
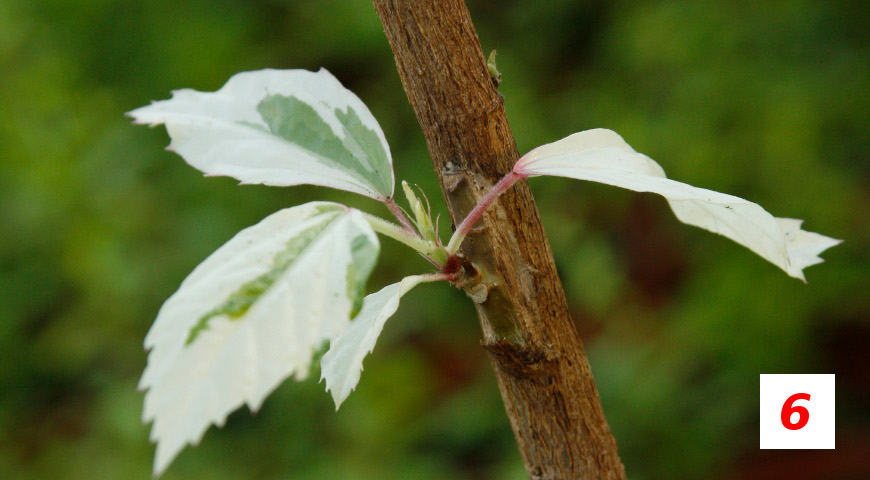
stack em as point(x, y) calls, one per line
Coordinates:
point(769, 101)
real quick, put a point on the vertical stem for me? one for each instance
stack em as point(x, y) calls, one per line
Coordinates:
point(537, 356)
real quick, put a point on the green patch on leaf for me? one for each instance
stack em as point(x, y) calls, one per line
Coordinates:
point(359, 152)
point(364, 254)
point(371, 145)
point(238, 303)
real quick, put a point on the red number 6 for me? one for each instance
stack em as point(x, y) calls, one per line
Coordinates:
point(788, 408)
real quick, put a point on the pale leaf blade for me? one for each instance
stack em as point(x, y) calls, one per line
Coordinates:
point(280, 128)
point(603, 156)
point(341, 366)
point(251, 315)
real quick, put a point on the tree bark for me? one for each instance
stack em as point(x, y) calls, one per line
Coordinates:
point(537, 355)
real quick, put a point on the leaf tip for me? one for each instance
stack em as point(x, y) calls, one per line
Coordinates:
point(337, 397)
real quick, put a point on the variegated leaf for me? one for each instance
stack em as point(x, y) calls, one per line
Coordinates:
point(251, 315)
point(603, 156)
point(279, 127)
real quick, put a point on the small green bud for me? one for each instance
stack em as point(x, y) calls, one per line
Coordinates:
point(493, 69)
point(422, 217)
point(413, 201)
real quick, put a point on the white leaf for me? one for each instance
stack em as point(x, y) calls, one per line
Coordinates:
point(279, 127)
point(342, 364)
point(251, 315)
point(603, 156)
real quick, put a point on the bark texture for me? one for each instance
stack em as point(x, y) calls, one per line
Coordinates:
point(538, 358)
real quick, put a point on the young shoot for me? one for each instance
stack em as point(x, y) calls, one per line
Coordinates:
point(255, 311)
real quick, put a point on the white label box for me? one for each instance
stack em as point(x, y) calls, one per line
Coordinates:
point(797, 411)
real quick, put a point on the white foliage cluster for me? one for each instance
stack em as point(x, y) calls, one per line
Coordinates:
point(247, 317)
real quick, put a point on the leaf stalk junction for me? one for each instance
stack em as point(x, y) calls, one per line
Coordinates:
point(418, 231)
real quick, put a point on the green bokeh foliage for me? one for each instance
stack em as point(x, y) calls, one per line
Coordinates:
point(764, 100)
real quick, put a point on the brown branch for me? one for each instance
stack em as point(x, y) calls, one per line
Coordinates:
point(538, 358)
